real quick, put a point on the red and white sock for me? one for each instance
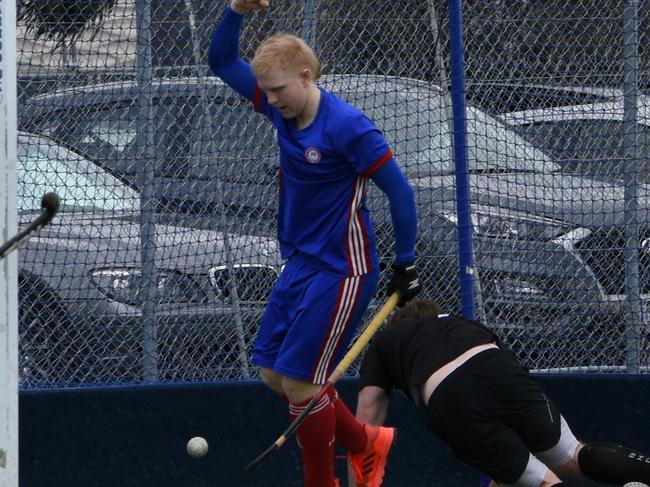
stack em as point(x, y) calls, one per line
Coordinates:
point(315, 437)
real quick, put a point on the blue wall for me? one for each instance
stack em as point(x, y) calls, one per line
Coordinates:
point(135, 437)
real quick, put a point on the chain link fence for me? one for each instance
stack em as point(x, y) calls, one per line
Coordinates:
point(161, 260)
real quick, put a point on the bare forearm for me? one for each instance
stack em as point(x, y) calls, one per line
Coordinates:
point(372, 406)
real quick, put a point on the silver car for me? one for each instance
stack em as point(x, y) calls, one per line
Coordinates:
point(100, 302)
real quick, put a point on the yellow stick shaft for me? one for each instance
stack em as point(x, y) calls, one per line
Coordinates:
point(364, 338)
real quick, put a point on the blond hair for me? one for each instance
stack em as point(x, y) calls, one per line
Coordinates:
point(286, 51)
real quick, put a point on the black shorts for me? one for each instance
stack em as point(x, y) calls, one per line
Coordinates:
point(493, 415)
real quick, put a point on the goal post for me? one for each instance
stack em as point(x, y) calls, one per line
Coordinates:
point(8, 266)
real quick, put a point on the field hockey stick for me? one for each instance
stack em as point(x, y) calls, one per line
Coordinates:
point(50, 205)
point(346, 361)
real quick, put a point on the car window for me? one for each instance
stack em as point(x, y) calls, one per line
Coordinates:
point(190, 138)
point(229, 140)
point(105, 133)
point(494, 147)
point(175, 119)
point(417, 125)
point(589, 147)
point(117, 133)
point(44, 167)
point(496, 98)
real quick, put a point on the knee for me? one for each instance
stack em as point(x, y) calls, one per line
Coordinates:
point(298, 390)
point(562, 458)
point(272, 380)
point(571, 468)
point(535, 473)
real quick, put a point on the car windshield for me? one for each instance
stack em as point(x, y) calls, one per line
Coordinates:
point(44, 166)
point(593, 148)
point(418, 126)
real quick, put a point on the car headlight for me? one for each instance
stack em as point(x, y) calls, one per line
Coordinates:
point(514, 286)
point(496, 222)
point(125, 286)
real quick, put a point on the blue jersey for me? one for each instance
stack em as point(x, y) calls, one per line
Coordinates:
point(324, 170)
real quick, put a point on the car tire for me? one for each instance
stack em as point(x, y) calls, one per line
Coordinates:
point(41, 331)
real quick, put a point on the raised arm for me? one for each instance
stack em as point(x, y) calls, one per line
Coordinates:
point(223, 54)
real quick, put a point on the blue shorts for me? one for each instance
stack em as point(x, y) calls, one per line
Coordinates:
point(311, 317)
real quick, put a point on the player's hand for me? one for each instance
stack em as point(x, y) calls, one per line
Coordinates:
point(245, 6)
point(405, 281)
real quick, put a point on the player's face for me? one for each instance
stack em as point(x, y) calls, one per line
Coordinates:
point(287, 90)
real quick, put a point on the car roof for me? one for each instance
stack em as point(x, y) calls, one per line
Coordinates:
point(589, 92)
point(111, 92)
point(498, 97)
point(25, 136)
point(610, 110)
point(115, 91)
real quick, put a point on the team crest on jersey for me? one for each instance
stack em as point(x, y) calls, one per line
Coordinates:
point(312, 155)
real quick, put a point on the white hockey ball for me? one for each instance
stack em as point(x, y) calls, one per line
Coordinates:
point(197, 447)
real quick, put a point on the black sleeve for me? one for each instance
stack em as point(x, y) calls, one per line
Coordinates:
point(374, 371)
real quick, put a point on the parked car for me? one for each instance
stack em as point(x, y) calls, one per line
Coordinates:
point(532, 223)
point(82, 308)
point(588, 138)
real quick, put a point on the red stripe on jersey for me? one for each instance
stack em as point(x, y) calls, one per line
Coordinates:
point(257, 99)
point(364, 247)
point(378, 164)
point(366, 244)
point(357, 247)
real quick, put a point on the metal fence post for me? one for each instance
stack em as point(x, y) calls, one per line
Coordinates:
point(465, 250)
point(309, 24)
point(630, 89)
point(147, 202)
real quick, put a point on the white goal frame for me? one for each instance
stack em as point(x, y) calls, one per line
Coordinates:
point(8, 266)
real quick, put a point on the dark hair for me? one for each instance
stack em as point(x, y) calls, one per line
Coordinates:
point(417, 309)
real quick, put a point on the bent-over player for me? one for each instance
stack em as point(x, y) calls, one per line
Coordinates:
point(475, 395)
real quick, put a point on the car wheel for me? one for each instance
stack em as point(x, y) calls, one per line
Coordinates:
point(39, 319)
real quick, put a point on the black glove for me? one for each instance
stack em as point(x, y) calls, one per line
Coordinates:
point(405, 281)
